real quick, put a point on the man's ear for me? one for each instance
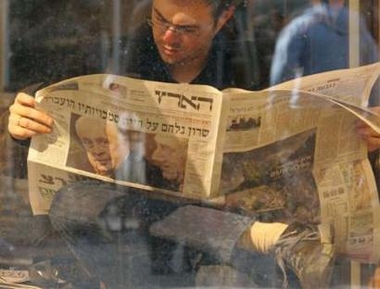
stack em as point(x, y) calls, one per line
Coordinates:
point(224, 17)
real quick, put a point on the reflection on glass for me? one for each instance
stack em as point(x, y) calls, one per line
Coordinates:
point(318, 41)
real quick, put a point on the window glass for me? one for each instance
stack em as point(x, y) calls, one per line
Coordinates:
point(267, 193)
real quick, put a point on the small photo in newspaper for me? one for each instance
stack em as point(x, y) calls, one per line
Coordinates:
point(275, 180)
point(106, 149)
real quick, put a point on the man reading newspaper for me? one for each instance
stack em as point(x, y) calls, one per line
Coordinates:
point(109, 229)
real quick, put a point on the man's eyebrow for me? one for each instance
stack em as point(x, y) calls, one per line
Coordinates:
point(167, 21)
point(159, 14)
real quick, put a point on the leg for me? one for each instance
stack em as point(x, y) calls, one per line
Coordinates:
point(231, 239)
point(107, 231)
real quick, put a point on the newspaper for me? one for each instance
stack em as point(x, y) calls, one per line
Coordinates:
point(288, 152)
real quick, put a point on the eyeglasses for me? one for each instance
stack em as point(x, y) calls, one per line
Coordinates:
point(164, 25)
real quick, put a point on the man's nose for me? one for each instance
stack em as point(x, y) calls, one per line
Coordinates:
point(171, 35)
point(157, 156)
point(98, 150)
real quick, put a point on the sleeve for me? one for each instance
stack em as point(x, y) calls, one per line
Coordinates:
point(289, 53)
point(13, 153)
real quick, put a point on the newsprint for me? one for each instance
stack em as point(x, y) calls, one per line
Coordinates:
point(291, 151)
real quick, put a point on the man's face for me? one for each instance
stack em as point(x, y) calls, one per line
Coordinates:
point(92, 135)
point(183, 30)
point(170, 156)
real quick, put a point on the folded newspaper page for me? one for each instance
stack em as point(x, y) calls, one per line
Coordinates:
point(287, 153)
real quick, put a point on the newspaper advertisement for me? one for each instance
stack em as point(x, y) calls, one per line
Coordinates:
point(289, 152)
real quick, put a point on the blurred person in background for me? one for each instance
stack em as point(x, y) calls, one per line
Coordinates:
point(318, 41)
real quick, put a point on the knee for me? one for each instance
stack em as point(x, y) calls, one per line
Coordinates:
point(81, 201)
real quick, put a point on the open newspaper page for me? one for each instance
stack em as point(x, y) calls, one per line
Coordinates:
point(355, 214)
point(353, 85)
point(289, 153)
point(295, 155)
point(148, 135)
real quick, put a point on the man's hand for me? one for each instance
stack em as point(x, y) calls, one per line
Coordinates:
point(375, 280)
point(25, 120)
point(368, 134)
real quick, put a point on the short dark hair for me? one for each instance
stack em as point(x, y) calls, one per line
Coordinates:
point(220, 5)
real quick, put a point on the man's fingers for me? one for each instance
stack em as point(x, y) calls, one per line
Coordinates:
point(25, 99)
point(30, 115)
point(373, 144)
point(24, 107)
point(25, 120)
point(370, 136)
point(375, 280)
point(21, 133)
point(23, 128)
point(376, 109)
point(30, 124)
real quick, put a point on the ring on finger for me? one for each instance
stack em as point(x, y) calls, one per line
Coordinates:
point(19, 121)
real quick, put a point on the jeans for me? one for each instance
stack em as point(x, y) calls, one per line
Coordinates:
point(107, 229)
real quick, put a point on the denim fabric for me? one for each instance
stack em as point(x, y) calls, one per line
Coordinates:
point(107, 229)
point(107, 232)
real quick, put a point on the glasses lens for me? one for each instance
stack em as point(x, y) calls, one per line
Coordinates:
point(181, 30)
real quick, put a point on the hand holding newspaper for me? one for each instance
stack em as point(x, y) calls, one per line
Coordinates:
point(290, 151)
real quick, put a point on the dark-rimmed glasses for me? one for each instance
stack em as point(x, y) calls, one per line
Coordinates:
point(159, 22)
